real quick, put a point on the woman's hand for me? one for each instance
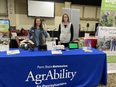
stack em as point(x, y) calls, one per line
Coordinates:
point(59, 43)
point(27, 39)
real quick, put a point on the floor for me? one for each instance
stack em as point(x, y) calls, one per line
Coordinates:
point(111, 71)
point(111, 81)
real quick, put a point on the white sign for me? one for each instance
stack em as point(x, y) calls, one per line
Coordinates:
point(4, 44)
point(107, 32)
point(51, 45)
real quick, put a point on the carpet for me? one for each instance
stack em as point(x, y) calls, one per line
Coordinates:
point(111, 82)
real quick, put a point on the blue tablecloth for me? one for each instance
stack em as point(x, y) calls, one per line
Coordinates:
point(74, 68)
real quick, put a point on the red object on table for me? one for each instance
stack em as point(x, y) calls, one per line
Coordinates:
point(93, 41)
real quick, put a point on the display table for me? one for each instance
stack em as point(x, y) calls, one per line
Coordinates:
point(73, 68)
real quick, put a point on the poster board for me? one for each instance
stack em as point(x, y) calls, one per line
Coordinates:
point(107, 32)
point(4, 34)
point(106, 38)
point(107, 26)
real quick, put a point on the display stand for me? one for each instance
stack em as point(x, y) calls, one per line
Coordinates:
point(4, 35)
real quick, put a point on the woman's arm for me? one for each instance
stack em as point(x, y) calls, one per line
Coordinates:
point(72, 32)
point(45, 33)
point(59, 31)
point(29, 34)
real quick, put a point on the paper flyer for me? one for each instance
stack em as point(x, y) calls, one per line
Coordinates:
point(11, 52)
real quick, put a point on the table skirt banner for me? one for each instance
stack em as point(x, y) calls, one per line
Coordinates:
point(73, 68)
